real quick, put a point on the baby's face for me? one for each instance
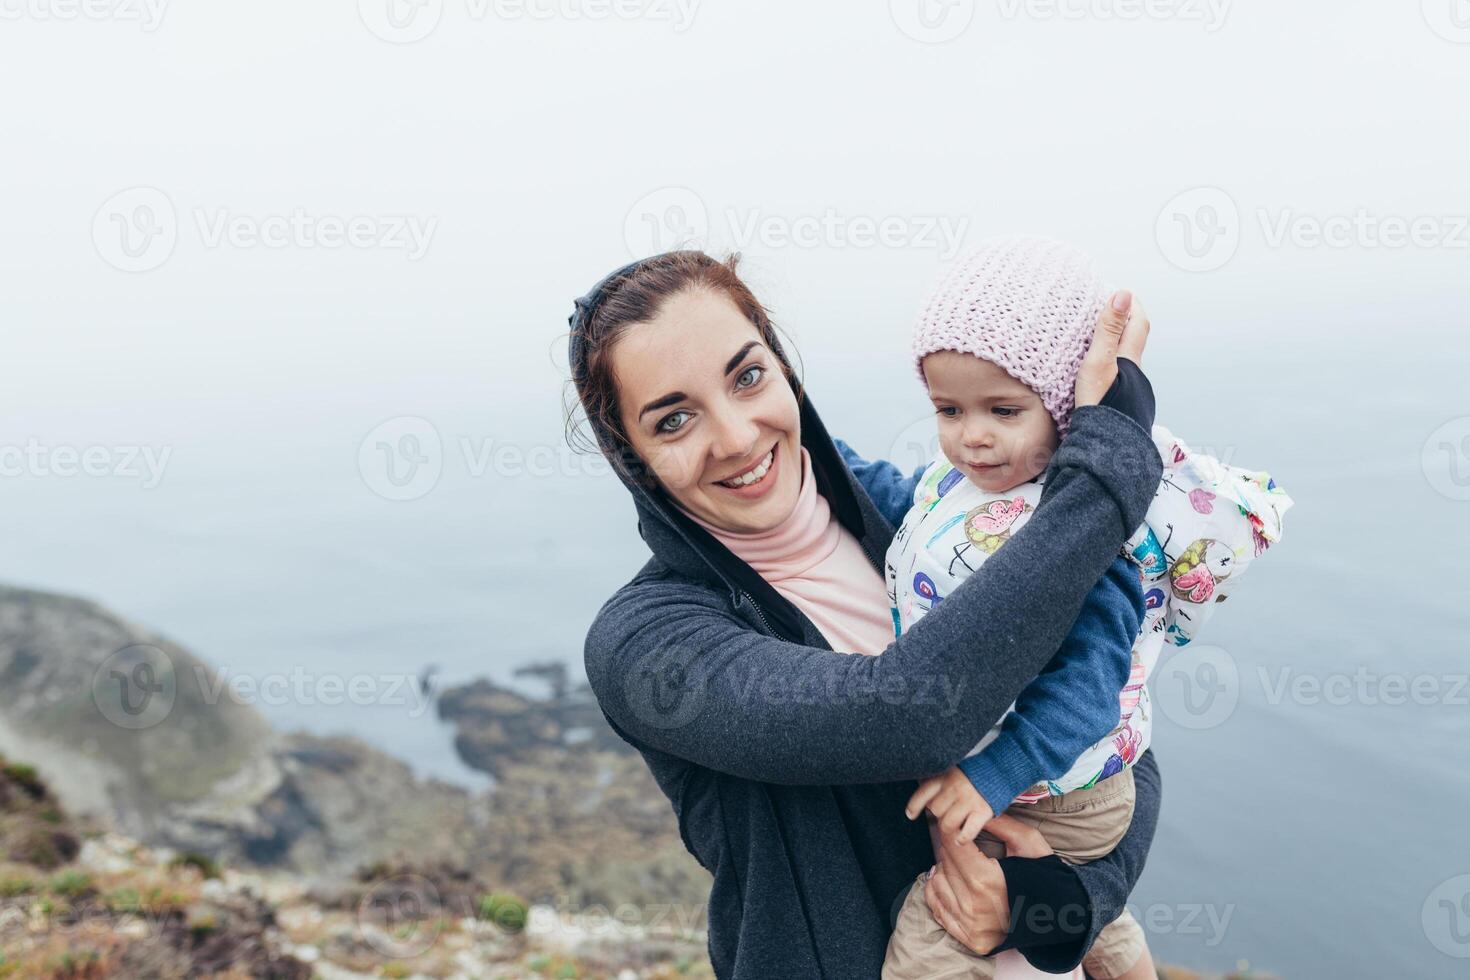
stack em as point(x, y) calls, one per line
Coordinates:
point(991, 426)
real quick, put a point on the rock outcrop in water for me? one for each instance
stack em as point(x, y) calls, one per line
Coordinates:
point(496, 727)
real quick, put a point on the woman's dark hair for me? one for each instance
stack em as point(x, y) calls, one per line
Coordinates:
point(632, 296)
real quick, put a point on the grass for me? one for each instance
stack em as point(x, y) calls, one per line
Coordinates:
point(24, 775)
point(17, 885)
point(70, 884)
point(506, 911)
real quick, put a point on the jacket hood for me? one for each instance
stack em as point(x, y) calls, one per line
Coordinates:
point(689, 549)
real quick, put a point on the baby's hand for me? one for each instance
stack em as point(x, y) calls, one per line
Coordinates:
point(955, 803)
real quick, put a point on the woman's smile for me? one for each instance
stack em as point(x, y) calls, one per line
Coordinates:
point(757, 479)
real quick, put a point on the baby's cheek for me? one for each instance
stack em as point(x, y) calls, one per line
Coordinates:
point(1033, 460)
point(947, 446)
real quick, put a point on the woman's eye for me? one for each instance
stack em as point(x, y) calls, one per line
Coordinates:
point(749, 376)
point(669, 424)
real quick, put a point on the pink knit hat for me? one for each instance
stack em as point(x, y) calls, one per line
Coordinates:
point(1029, 305)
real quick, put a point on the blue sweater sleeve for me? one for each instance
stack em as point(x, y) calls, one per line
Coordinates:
point(892, 492)
point(1073, 702)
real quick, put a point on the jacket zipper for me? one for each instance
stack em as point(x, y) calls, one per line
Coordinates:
point(758, 614)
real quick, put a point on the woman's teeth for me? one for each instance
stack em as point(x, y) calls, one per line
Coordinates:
point(754, 476)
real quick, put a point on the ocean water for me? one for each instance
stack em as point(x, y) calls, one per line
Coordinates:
point(1312, 745)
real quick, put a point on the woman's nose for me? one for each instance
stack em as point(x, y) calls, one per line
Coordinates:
point(735, 436)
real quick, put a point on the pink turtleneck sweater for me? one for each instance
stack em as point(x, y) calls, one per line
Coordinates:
point(815, 562)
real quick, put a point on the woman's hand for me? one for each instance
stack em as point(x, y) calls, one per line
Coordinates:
point(966, 891)
point(1122, 331)
point(966, 894)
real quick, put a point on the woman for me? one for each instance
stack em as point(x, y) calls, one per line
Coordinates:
point(789, 764)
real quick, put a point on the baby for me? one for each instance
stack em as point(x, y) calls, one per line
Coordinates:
point(998, 346)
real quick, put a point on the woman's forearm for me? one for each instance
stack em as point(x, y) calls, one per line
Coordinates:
point(1073, 703)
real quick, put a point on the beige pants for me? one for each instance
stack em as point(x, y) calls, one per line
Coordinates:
point(1081, 826)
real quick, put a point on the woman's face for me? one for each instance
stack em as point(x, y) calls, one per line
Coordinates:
point(707, 409)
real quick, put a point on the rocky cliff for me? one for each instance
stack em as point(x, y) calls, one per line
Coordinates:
point(127, 724)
